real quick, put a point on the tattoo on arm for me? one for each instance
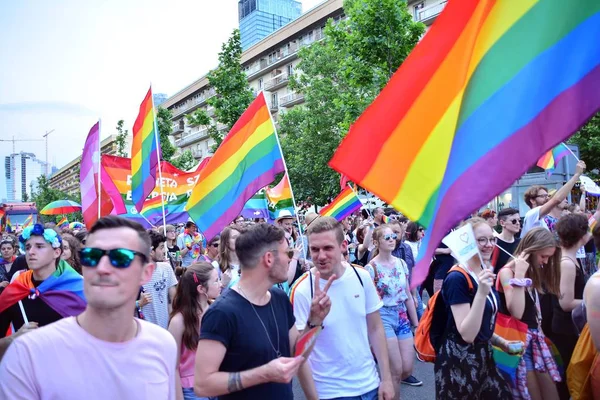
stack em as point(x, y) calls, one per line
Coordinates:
point(235, 382)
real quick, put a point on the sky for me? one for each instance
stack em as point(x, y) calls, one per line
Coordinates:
point(67, 63)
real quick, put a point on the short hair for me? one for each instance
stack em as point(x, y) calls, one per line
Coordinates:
point(169, 228)
point(253, 242)
point(156, 239)
point(488, 214)
point(189, 224)
point(532, 193)
point(507, 212)
point(114, 222)
point(570, 229)
point(326, 224)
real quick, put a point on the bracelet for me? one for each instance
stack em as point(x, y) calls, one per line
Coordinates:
point(310, 326)
point(526, 282)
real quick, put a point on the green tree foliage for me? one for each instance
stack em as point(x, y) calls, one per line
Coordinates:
point(185, 161)
point(165, 127)
point(588, 140)
point(45, 195)
point(339, 77)
point(233, 94)
point(120, 140)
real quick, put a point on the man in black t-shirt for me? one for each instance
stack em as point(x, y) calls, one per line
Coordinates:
point(248, 336)
point(510, 221)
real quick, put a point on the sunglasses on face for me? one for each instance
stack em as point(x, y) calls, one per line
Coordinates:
point(390, 236)
point(215, 245)
point(119, 258)
point(515, 221)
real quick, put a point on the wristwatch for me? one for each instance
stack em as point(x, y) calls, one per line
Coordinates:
point(310, 326)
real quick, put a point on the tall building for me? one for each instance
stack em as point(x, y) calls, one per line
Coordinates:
point(21, 172)
point(259, 18)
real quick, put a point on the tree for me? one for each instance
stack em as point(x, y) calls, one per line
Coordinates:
point(165, 127)
point(185, 161)
point(233, 93)
point(588, 140)
point(120, 140)
point(45, 195)
point(339, 77)
point(25, 196)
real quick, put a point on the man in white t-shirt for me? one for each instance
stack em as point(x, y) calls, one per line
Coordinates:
point(103, 353)
point(341, 362)
point(162, 285)
point(536, 197)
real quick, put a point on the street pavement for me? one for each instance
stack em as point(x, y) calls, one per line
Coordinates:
point(422, 371)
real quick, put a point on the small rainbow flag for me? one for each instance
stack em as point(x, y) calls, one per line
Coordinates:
point(144, 154)
point(280, 198)
point(153, 208)
point(28, 221)
point(496, 80)
point(343, 205)
point(248, 159)
point(9, 227)
point(63, 222)
point(549, 160)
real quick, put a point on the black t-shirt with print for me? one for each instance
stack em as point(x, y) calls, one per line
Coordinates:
point(232, 321)
point(172, 254)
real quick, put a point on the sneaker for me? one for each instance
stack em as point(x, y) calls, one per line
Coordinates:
point(412, 381)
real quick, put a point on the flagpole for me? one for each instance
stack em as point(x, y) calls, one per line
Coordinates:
point(99, 179)
point(162, 197)
point(571, 151)
point(285, 168)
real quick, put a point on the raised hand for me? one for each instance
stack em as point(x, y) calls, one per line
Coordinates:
point(521, 265)
point(580, 168)
point(321, 303)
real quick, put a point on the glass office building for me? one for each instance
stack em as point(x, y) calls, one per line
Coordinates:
point(260, 18)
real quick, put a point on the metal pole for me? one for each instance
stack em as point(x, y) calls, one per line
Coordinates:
point(46, 136)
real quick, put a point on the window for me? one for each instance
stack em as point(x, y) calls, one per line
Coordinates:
point(290, 69)
point(274, 101)
point(260, 83)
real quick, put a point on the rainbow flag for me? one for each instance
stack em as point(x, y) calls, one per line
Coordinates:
point(153, 208)
point(549, 159)
point(343, 205)
point(28, 221)
point(280, 198)
point(256, 207)
point(63, 222)
point(491, 81)
point(144, 155)
point(9, 227)
point(246, 161)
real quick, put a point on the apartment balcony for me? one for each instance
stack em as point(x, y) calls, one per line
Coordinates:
point(193, 103)
point(428, 14)
point(194, 135)
point(292, 99)
point(274, 107)
point(197, 153)
point(210, 111)
point(277, 82)
point(178, 127)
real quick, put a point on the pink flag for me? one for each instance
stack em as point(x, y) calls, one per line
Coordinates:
point(88, 179)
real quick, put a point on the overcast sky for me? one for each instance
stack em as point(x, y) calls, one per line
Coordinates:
point(67, 63)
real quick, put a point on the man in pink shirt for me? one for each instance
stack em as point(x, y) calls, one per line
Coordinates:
point(104, 353)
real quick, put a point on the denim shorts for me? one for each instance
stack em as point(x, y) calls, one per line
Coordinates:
point(528, 356)
point(395, 322)
point(188, 394)
point(372, 395)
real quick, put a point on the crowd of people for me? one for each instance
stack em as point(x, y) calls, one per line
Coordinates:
point(123, 312)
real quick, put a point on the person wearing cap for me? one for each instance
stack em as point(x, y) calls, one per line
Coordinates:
point(47, 272)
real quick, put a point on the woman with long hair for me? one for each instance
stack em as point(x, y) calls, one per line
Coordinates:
point(198, 287)
point(398, 313)
point(522, 285)
point(228, 261)
point(464, 365)
point(414, 233)
point(71, 247)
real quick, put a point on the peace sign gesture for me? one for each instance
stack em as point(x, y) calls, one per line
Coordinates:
point(321, 303)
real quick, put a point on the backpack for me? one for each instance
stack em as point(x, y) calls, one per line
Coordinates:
point(433, 323)
point(578, 373)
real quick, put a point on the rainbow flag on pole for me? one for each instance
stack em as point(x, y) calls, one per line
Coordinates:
point(280, 198)
point(549, 160)
point(28, 221)
point(246, 161)
point(144, 155)
point(63, 221)
point(491, 87)
point(343, 205)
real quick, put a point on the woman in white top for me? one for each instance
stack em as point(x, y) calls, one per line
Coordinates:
point(414, 234)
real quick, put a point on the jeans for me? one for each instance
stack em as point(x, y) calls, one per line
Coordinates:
point(372, 395)
point(188, 394)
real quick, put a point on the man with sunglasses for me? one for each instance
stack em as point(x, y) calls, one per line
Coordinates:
point(510, 221)
point(247, 336)
point(103, 353)
point(540, 204)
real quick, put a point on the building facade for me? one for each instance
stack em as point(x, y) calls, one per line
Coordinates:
point(66, 179)
point(268, 65)
point(259, 18)
point(22, 171)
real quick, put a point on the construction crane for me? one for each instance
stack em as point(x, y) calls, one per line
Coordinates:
point(12, 156)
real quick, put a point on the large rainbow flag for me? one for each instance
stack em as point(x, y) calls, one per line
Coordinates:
point(246, 161)
point(491, 87)
point(551, 157)
point(343, 205)
point(144, 154)
point(256, 207)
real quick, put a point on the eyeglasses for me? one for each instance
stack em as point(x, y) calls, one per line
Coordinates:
point(390, 236)
point(119, 258)
point(484, 241)
point(289, 252)
point(421, 229)
point(543, 196)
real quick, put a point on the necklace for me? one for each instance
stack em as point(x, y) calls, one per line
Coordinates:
point(277, 352)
